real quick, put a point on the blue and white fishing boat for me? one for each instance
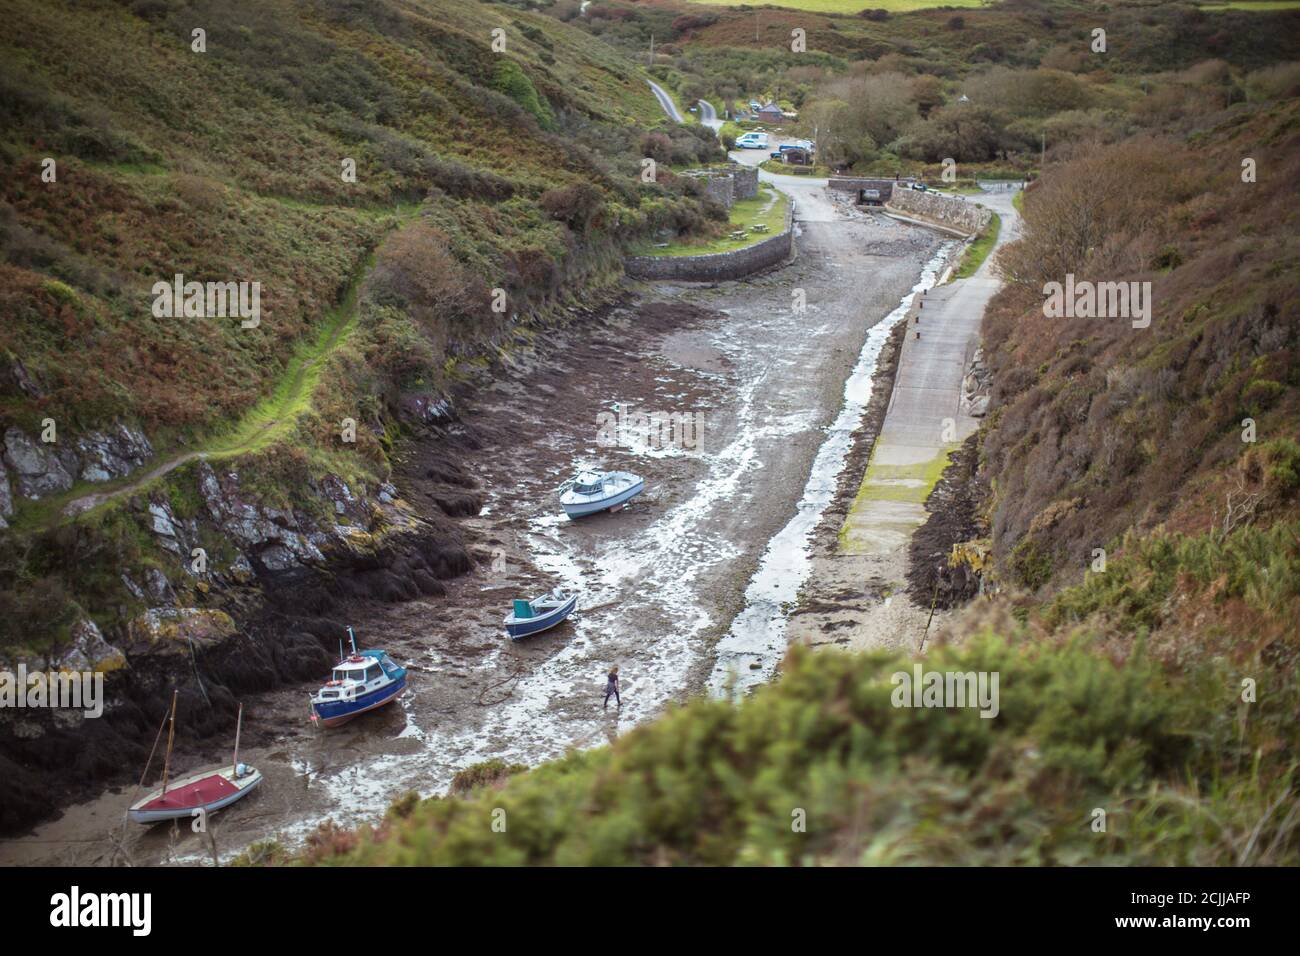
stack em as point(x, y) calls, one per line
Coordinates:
point(539, 614)
point(361, 682)
point(592, 491)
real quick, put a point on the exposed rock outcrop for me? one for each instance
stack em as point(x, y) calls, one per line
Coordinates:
point(425, 408)
point(38, 469)
point(6, 496)
point(256, 611)
point(88, 651)
point(170, 631)
point(975, 386)
point(376, 547)
point(112, 454)
point(41, 469)
point(271, 538)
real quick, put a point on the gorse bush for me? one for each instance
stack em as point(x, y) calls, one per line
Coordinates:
point(1257, 566)
point(511, 80)
point(575, 205)
point(1275, 464)
point(486, 774)
point(714, 783)
point(1144, 716)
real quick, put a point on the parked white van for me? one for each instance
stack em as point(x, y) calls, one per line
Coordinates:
point(751, 141)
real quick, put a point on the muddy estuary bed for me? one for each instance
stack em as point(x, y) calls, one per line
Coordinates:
point(686, 590)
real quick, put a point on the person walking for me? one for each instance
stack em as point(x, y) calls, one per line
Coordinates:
point(611, 687)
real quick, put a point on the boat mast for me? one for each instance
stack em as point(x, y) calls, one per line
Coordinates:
point(171, 737)
point(239, 723)
point(353, 638)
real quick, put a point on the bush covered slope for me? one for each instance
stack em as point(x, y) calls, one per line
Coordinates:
point(228, 164)
point(889, 92)
point(475, 170)
point(1101, 428)
point(1129, 711)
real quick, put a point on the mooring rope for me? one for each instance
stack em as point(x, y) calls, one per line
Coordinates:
point(119, 845)
point(195, 660)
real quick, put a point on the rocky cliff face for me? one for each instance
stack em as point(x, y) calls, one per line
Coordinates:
point(38, 468)
point(47, 463)
point(6, 496)
point(234, 595)
point(975, 386)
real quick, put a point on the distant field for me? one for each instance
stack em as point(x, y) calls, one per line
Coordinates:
point(855, 6)
point(1260, 5)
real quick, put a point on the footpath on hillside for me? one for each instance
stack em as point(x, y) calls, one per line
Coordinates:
point(269, 420)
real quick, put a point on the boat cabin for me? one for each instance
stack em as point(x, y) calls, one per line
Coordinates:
point(362, 672)
point(588, 483)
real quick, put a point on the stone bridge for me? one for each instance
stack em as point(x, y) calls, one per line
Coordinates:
point(873, 192)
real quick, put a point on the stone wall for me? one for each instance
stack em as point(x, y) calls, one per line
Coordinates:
point(964, 215)
point(745, 180)
point(721, 189)
point(719, 265)
point(728, 184)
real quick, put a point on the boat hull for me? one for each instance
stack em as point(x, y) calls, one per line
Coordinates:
point(583, 509)
point(543, 622)
point(336, 713)
point(208, 791)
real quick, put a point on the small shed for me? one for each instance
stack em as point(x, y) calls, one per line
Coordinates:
point(771, 113)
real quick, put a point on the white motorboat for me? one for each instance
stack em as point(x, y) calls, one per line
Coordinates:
point(590, 491)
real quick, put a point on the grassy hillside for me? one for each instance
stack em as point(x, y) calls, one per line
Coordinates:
point(474, 170)
point(1103, 429)
point(892, 91)
point(228, 164)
